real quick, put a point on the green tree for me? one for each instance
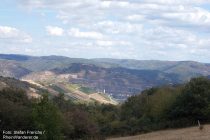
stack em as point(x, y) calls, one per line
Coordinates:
point(193, 103)
point(47, 117)
point(14, 110)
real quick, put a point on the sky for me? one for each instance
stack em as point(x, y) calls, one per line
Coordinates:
point(174, 30)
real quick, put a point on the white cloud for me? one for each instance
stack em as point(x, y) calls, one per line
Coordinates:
point(114, 27)
point(170, 27)
point(192, 16)
point(135, 17)
point(54, 31)
point(112, 43)
point(75, 32)
point(11, 34)
point(87, 12)
point(104, 43)
point(178, 2)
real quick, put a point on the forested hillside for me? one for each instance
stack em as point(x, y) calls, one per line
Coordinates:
point(156, 108)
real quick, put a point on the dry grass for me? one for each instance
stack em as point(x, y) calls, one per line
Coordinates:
point(192, 133)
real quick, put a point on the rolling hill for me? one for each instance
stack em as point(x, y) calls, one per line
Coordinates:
point(119, 78)
point(186, 69)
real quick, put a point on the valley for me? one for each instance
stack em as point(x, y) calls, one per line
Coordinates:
point(118, 79)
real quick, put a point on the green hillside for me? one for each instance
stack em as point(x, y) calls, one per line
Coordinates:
point(158, 108)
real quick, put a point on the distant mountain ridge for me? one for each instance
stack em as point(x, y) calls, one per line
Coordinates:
point(15, 57)
point(119, 77)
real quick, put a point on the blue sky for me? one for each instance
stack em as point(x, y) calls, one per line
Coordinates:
point(128, 29)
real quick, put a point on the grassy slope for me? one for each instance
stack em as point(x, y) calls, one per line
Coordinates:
point(191, 133)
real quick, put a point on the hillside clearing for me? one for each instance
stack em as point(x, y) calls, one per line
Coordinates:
point(192, 133)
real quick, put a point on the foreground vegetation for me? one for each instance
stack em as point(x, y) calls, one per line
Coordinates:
point(154, 109)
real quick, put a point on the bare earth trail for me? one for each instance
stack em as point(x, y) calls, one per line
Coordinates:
point(192, 133)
